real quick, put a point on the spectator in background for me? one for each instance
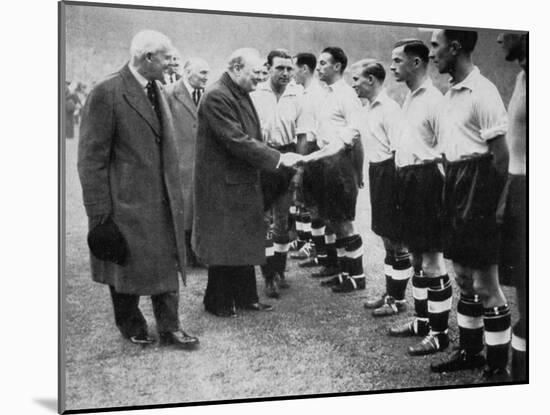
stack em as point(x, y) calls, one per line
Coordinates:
point(183, 98)
point(128, 167)
point(228, 221)
point(82, 93)
point(72, 103)
point(172, 73)
point(513, 210)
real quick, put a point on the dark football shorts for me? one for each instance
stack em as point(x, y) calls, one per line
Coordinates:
point(470, 198)
point(383, 198)
point(513, 219)
point(419, 193)
point(332, 184)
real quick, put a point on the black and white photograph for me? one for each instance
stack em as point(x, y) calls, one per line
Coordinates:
point(326, 207)
point(280, 209)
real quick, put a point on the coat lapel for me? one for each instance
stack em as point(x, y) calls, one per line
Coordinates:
point(182, 94)
point(244, 101)
point(137, 99)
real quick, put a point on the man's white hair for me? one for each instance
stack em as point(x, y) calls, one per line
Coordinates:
point(193, 62)
point(149, 41)
point(241, 56)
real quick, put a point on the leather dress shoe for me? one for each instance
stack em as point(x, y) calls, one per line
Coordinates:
point(430, 344)
point(142, 339)
point(257, 307)
point(271, 289)
point(222, 312)
point(178, 338)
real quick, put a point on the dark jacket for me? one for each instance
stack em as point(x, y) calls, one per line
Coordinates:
point(128, 167)
point(228, 224)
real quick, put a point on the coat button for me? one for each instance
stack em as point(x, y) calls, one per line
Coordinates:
point(157, 140)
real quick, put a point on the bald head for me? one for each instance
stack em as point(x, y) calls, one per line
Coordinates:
point(245, 68)
point(196, 71)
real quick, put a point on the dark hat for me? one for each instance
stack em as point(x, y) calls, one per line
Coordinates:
point(107, 243)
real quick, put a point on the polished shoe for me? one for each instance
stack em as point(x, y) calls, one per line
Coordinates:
point(178, 338)
point(257, 307)
point(430, 344)
point(377, 303)
point(326, 272)
point(222, 312)
point(350, 284)
point(459, 360)
point(334, 281)
point(310, 263)
point(281, 282)
point(142, 339)
point(415, 327)
point(305, 252)
point(271, 289)
point(496, 375)
point(390, 307)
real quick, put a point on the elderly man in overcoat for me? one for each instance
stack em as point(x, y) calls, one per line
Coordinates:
point(183, 99)
point(228, 222)
point(128, 167)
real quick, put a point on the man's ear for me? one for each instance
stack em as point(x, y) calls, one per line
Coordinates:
point(455, 47)
point(338, 67)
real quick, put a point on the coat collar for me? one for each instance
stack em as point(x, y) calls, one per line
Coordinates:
point(242, 97)
point(136, 98)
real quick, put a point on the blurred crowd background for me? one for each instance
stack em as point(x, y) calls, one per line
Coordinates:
point(97, 40)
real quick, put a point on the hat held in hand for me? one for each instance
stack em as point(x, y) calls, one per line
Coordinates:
point(107, 243)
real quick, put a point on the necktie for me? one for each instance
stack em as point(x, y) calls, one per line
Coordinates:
point(153, 98)
point(197, 95)
point(171, 78)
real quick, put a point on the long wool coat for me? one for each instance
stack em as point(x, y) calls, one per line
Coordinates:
point(128, 166)
point(228, 223)
point(184, 114)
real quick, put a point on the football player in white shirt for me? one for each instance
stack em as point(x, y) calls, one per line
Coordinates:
point(419, 187)
point(380, 127)
point(339, 164)
point(513, 254)
point(473, 126)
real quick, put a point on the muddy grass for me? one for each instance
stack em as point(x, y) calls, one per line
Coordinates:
point(314, 342)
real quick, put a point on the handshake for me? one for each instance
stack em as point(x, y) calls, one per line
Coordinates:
point(293, 160)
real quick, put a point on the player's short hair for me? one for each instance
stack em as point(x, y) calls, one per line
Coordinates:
point(338, 56)
point(307, 59)
point(414, 47)
point(466, 38)
point(149, 41)
point(371, 67)
point(277, 53)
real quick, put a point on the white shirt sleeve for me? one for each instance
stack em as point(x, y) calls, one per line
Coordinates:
point(491, 114)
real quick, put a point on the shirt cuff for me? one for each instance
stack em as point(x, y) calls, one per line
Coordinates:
point(491, 133)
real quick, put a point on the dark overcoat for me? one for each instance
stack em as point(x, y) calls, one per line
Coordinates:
point(184, 114)
point(128, 167)
point(228, 223)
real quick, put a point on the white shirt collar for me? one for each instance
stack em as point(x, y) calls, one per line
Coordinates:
point(337, 85)
point(425, 85)
point(190, 89)
point(139, 77)
point(380, 98)
point(470, 81)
